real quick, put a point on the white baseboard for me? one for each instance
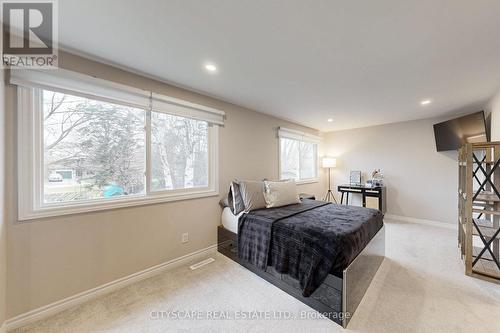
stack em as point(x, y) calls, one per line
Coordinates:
point(56, 307)
point(421, 221)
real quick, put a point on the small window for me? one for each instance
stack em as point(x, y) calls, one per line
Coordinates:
point(298, 156)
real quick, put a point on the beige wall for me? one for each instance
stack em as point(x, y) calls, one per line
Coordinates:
point(421, 183)
point(3, 229)
point(54, 258)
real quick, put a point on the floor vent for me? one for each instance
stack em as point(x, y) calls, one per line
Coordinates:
point(201, 263)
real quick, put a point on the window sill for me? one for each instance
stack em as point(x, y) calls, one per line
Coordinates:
point(78, 208)
point(307, 181)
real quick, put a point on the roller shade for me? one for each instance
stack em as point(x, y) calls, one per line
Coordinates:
point(73, 83)
point(177, 107)
point(297, 135)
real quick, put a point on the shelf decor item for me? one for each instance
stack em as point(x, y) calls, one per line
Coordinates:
point(329, 163)
point(377, 178)
point(355, 178)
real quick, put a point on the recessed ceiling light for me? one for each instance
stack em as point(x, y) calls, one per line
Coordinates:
point(330, 120)
point(211, 68)
point(426, 102)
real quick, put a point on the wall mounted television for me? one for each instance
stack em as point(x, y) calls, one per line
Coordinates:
point(452, 134)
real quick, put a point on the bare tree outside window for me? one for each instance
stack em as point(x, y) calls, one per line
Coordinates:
point(289, 159)
point(307, 160)
point(179, 152)
point(298, 159)
point(92, 149)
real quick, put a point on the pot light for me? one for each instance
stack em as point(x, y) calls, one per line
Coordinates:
point(426, 102)
point(211, 68)
point(330, 120)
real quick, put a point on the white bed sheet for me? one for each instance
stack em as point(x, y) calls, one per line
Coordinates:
point(229, 220)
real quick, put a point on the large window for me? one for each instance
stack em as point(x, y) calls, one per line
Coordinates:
point(80, 152)
point(298, 156)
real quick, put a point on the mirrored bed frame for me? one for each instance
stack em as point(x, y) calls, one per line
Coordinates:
point(337, 297)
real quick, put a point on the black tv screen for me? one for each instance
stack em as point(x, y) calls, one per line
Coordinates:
point(452, 134)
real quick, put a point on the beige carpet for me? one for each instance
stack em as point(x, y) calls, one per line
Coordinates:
point(420, 287)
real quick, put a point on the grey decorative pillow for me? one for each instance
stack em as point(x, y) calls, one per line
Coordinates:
point(234, 198)
point(223, 202)
point(252, 193)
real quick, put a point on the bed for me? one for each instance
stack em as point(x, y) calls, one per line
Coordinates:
point(323, 254)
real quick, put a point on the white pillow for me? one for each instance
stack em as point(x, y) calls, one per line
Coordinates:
point(280, 193)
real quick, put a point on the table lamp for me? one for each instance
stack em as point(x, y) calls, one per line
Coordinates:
point(329, 163)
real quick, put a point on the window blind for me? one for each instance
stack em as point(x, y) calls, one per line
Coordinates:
point(174, 106)
point(297, 135)
point(65, 81)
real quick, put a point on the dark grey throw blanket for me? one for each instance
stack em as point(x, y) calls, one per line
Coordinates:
point(307, 241)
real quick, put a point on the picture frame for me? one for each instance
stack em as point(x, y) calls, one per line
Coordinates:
point(355, 177)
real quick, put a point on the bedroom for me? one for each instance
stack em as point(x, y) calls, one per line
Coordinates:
point(98, 232)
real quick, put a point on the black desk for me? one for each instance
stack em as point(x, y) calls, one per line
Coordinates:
point(365, 191)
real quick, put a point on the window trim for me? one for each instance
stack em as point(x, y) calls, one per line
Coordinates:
point(285, 133)
point(31, 169)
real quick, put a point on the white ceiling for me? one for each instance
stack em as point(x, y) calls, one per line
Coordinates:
point(359, 62)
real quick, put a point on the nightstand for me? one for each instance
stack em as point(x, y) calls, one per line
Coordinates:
point(307, 196)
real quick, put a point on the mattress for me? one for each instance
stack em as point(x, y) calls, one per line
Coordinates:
point(229, 220)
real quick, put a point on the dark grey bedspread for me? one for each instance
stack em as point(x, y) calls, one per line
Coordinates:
point(307, 241)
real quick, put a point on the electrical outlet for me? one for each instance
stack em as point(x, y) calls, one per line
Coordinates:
point(185, 237)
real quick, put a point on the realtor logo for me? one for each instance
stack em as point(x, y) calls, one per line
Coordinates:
point(29, 34)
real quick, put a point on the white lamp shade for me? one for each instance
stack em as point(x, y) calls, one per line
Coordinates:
point(329, 162)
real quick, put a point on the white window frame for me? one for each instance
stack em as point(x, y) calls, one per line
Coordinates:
point(31, 163)
point(285, 133)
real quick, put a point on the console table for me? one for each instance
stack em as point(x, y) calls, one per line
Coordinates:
point(365, 191)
